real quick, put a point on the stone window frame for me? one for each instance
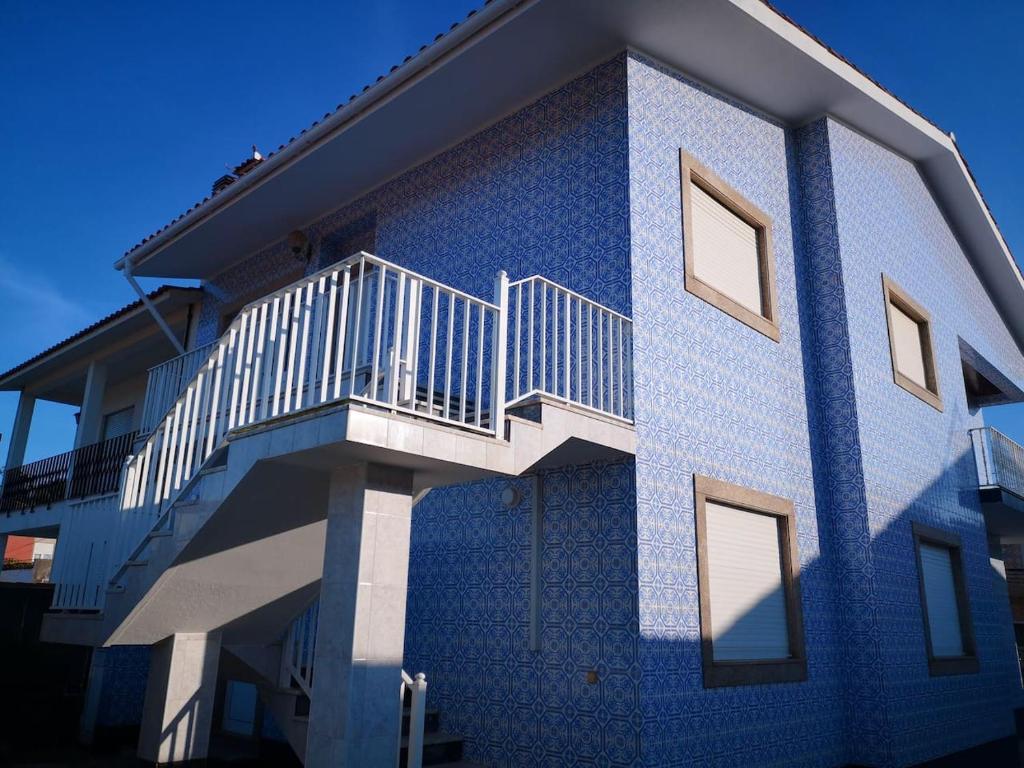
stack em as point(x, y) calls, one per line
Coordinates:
point(896, 296)
point(754, 672)
point(939, 666)
point(692, 171)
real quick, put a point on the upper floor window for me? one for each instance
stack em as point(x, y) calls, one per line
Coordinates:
point(910, 344)
point(747, 565)
point(118, 423)
point(948, 636)
point(728, 249)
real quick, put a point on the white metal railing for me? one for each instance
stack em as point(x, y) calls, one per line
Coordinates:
point(298, 654)
point(568, 346)
point(367, 330)
point(298, 649)
point(364, 330)
point(1000, 460)
point(84, 554)
point(166, 382)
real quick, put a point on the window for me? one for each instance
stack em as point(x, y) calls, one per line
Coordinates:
point(910, 344)
point(747, 567)
point(118, 423)
point(728, 249)
point(947, 625)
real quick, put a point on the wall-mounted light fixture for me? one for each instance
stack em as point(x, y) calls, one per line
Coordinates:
point(299, 245)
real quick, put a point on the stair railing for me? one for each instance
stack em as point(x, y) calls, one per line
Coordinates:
point(166, 381)
point(416, 689)
point(363, 330)
point(298, 653)
point(569, 347)
point(298, 650)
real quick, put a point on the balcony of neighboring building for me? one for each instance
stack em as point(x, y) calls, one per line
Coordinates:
point(101, 372)
point(1000, 465)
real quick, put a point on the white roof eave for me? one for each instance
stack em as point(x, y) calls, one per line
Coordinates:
point(512, 52)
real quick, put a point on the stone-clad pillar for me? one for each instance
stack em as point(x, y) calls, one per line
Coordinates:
point(354, 713)
point(178, 710)
point(90, 420)
point(19, 432)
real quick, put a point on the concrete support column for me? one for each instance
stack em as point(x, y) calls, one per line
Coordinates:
point(90, 420)
point(354, 713)
point(178, 709)
point(19, 432)
point(93, 692)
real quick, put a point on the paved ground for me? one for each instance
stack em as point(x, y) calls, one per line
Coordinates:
point(233, 753)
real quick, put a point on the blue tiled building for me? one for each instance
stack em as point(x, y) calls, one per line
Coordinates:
point(615, 601)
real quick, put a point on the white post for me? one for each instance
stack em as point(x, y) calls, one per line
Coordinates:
point(90, 420)
point(499, 356)
point(417, 720)
point(93, 693)
point(19, 433)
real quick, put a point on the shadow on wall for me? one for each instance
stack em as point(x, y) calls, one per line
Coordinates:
point(916, 716)
point(597, 689)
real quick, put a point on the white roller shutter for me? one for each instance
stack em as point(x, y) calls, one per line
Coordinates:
point(725, 254)
point(118, 423)
point(906, 335)
point(941, 601)
point(748, 605)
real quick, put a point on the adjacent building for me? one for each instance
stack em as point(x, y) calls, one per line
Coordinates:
point(620, 368)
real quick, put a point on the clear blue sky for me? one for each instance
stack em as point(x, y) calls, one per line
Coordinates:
point(115, 117)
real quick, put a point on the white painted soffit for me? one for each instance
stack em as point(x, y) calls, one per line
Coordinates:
point(512, 52)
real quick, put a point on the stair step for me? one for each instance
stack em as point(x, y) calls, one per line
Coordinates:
point(160, 534)
point(137, 563)
point(431, 721)
point(438, 749)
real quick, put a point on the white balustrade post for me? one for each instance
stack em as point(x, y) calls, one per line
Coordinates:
point(417, 720)
point(499, 355)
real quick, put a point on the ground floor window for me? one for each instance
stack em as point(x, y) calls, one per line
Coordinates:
point(949, 638)
point(750, 612)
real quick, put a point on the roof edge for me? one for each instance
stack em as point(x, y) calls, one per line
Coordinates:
point(158, 296)
point(401, 76)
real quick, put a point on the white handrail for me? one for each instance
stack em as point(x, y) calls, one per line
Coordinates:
point(298, 651)
point(417, 689)
point(369, 331)
point(298, 654)
point(165, 383)
point(357, 330)
point(570, 347)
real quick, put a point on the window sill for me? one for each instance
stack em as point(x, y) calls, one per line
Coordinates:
point(918, 391)
point(958, 665)
point(719, 300)
point(721, 674)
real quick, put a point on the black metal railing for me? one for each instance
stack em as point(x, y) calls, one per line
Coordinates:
point(87, 471)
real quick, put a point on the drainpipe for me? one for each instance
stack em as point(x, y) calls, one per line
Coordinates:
point(127, 272)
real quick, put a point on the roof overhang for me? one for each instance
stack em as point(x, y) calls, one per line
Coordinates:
point(128, 342)
point(514, 51)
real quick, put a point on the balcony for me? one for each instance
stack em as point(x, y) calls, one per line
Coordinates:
point(1000, 464)
point(92, 470)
